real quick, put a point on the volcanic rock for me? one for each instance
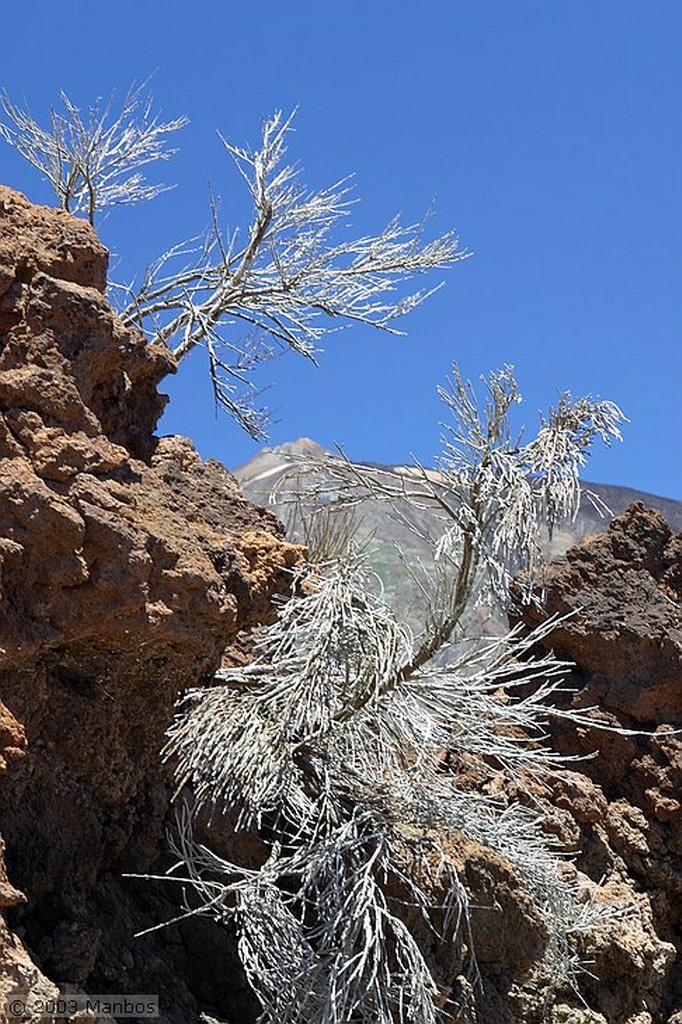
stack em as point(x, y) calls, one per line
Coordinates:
point(130, 570)
point(622, 593)
point(127, 568)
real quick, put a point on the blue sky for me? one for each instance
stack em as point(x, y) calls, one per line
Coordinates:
point(548, 134)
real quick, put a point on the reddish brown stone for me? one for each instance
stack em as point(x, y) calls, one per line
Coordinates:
point(121, 583)
point(624, 592)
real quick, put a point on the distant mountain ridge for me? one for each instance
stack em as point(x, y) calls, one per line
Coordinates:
point(261, 481)
point(259, 475)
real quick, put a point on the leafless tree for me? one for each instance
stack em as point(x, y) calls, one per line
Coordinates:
point(293, 277)
point(330, 745)
point(91, 159)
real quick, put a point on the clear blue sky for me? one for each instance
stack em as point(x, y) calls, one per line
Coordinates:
point(548, 134)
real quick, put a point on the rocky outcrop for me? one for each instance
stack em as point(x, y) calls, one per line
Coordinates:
point(130, 569)
point(623, 812)
point(127, 568)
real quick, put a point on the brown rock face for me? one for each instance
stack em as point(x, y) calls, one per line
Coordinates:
point(624, 589)
point(65, 355)
point(127, 567)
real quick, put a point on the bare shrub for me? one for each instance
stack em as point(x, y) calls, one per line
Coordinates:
point(91, 158)
point(332, 745)
point(292, 278)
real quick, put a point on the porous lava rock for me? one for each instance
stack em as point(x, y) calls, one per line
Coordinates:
point(622, 594)
point(130, 569)
point(127, 568)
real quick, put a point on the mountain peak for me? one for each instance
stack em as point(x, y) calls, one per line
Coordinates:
point(302, 446)
point(269, 463)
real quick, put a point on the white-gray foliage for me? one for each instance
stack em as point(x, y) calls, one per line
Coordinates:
point(492, 491)
point(344, 743)
point(292, 277)
point(92, 158)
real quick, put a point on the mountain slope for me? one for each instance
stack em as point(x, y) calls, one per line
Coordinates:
point(263, 481)
point(259, 476)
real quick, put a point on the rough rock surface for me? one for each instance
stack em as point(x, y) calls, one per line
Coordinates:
point(624, 811)
point(127, 567)
point(130, 569)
